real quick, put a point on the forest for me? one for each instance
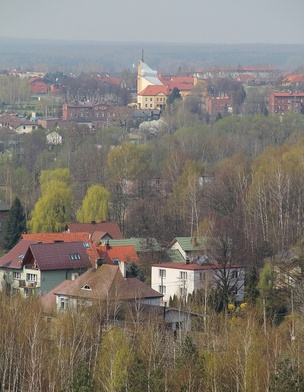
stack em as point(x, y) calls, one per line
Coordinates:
point(48, 56)
point(236, 185)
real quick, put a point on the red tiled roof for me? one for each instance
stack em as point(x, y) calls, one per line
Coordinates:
point(123, 253)
point(107, 282)
point(299, 78)
point(154, 90)
point(181, 86)
point(193, 266)
point(111, 228)
point(178, 80)
point(14, 258)
point(57, 256)
point(287, 94)
point(109, 80)
point(98, 235)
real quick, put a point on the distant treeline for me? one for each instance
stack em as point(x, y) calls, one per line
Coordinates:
point(114, 56)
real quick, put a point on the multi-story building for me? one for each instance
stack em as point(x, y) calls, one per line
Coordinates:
point(152, 97)
point(215, 105)
point(280, 103)
point(99, 112)
point(181, 279)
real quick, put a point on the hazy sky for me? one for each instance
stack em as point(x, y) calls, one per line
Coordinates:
point(193, 21)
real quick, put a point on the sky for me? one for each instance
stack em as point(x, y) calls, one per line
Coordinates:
point(168, 21)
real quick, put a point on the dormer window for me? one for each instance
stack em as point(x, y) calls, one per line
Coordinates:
point(86, 287)
point(86, 244)
point(75, 256)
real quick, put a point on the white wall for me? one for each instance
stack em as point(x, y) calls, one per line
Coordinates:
point(174, 284)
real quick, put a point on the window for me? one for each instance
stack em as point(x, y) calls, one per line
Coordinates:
point(150, 99)
point(86, 287)
point(31, 277)
point(162, 289)
point(75, 256)
point(17, 275)
point(86, 244)
point(183, 275)
point(162, 273)
point(63, 303)
point(234, 274)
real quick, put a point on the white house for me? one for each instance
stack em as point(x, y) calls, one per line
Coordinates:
point(182, 279)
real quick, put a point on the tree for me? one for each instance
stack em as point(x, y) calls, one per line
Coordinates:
point(16, 224)
point(127, 169)
point(175, 95)
point(95, 205)
point(52, 211)
point(114, 361)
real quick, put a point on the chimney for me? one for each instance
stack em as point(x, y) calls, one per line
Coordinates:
point(98, 263)
point(123, 268)
point(108, 244)
point(194, 242)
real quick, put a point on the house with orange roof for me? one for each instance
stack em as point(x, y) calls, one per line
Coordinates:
point(116, 254)
point(153, 97)
point(32, 267)
point(293, 80)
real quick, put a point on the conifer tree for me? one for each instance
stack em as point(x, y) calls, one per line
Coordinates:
point(15, 226)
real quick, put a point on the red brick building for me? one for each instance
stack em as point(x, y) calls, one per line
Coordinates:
point(285, 102)
point(38, 86)
point(99, 112)
point(215, 105)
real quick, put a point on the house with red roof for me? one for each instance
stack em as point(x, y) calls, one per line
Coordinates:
point(85, 238)
point(33, 268)
point(153, 89)
point(293, 80)
point(117, 254)
point(153, 97)
point(107, 229)
point(18, 124)
point(181, 279)
point(38, 86)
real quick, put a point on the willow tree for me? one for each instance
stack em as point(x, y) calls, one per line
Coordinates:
point(95, 205)
point(53, 209)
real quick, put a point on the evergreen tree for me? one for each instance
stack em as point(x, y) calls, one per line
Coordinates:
point(15, 226)
point(174, 95)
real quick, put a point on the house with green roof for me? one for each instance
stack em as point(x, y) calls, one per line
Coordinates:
point(140, 244)
point(188, 247)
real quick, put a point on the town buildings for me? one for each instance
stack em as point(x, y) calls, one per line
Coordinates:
point(283, 102)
